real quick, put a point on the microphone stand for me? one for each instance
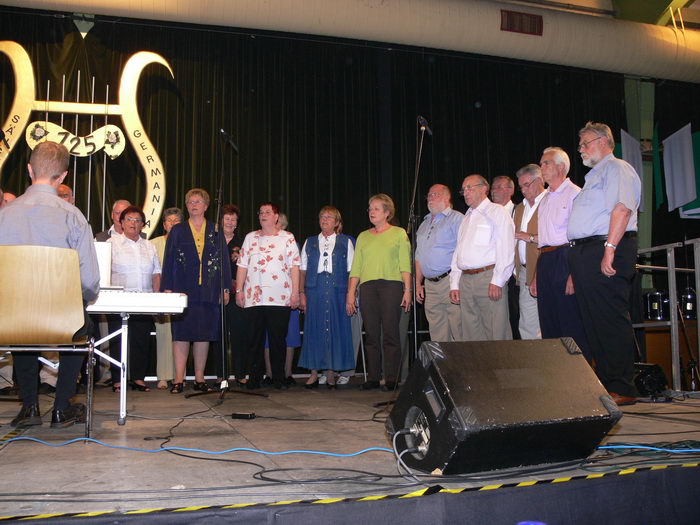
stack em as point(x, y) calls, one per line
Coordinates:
point(412, 220)
point(223, 252)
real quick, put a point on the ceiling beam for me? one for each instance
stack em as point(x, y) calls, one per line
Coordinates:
point(648, 11)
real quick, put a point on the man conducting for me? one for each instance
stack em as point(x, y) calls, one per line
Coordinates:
point(40, 218)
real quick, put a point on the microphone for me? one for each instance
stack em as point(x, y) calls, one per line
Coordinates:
point(424, 125)
point(229, 140)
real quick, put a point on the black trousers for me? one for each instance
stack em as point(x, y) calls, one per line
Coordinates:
point(140, 328)
point(560, 315)
point(380, 304)
point(274, 320)
point(237, 351)
point(26, 368)
point(605, 309)
point(514, 307)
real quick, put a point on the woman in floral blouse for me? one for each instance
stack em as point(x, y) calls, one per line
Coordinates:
point(192, 265)
point(268, 288)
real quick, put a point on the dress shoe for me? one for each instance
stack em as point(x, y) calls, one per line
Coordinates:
point(267, 381)
point(177, 388)
point(28, 416)
point(74, 413)
point(389, 386)
point(622, 400)
point(311, 386)
point(252, 384)
point(281, 385)
point(291, 381)
point(369, 385)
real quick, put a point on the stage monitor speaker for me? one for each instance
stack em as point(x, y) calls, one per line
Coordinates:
point(487, 405)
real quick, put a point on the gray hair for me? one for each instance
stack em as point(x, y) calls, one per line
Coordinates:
point(282, 221)
point(511, 184)
point(173, 211)
point(532, 170)
point(560, 157)
point(600, 130)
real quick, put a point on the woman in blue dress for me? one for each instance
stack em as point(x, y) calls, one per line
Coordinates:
point(326, 260)
point(192, 265)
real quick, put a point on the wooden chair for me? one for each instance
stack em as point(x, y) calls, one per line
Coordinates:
point(41, 305)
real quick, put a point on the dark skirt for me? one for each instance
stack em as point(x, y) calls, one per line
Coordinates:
point(199, 322)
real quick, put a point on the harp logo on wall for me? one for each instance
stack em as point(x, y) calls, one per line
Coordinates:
point(108, 138)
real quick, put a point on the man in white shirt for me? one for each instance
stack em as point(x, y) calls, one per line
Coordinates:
point(526, 253)
point(482, 264)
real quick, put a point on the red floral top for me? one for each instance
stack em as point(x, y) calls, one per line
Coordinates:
point(269, 260)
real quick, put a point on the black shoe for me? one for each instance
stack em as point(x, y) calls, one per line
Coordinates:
point(290, 381)
point(311, 386)
point(389, 386)
point(252, 384)
point(281, 385)
point(267, 381)
point(369, 385)
point(28, 416)
point(331, 386)
point(202, 387)
point(74, 413)
point(8, 390)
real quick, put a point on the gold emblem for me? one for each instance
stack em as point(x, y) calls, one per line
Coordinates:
point(109, 138)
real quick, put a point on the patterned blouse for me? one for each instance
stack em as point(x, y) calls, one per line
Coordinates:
point(269, 260)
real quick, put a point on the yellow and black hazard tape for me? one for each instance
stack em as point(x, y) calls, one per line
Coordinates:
point(429, 491)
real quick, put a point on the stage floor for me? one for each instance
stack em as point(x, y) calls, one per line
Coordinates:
point(39, 479)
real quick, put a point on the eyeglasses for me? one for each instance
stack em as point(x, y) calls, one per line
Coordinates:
point(198, 201)
point(470, 187)
point(433, 194)
point(328, 217)
point(133, 219)
point(526, 185)
point(584, 145)
point(266, 212)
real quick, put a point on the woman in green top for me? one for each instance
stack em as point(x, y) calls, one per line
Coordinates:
point(382, 265)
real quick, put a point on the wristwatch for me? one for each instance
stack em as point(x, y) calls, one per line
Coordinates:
point(609, 245)
point(532, 238)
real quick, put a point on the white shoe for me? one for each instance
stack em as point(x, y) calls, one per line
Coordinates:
point(322, 379)
point(342, 380)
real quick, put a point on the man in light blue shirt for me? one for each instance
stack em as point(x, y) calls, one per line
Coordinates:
point(602, 232)
point(436, 239)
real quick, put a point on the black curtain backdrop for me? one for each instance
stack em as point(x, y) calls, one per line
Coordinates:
point(317, 121)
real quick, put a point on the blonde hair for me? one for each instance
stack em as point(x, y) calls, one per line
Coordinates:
point(197, 191)
point(332, 210)
point(386, 202)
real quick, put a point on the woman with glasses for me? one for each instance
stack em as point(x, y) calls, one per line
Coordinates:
point(326, 260)
point(382, 266)
point(267, 286)
point(135, 267)
point(192, 265)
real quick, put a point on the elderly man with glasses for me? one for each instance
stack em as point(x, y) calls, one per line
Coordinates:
point(482, 264)
point(603, 236)
point(436, 240)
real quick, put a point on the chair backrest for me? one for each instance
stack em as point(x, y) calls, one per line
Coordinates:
point(40, 295)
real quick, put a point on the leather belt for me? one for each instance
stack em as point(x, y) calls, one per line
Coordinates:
point(438, 278)
point(479, 270)
point(546, 249)
point(592, 238)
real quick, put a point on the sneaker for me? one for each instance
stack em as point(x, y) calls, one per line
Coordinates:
point(342, 380)
point(322, 379)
